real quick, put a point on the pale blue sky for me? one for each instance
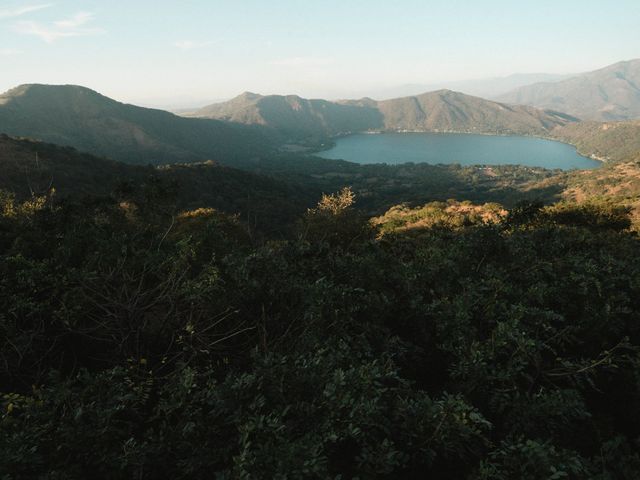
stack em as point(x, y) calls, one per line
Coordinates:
point(190, 51)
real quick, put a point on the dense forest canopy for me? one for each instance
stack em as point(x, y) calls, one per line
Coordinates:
point(454, 340)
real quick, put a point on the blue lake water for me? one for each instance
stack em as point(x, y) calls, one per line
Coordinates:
point(464, 149)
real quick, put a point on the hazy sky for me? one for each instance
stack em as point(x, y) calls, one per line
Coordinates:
point(168, 52)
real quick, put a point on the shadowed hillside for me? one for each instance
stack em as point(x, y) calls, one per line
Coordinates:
point(278, 188)
point(84, 119)
point(465, 342)
point(30, 169)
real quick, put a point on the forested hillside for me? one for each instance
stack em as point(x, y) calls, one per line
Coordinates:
point(39, 169)
point(326, 281)
point(205, 320)
point(453, 341)
point(610, 141)
point(270, 191)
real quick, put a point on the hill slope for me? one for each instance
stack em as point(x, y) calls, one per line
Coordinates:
point(611, 93)
point(84, 119)
point(295, 116)
point(489, 88)
point(33, 168)
point(445, 110)
point(615, 141)
point(442, 110)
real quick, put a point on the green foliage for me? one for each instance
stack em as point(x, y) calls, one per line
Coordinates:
point(533, 459)
point(140, 341)
point(446, 215)
point(612, 141)
point(33, 169)
point(335, 222)
point(592, 215)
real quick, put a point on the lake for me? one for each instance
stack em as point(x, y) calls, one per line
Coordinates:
point(464, 149)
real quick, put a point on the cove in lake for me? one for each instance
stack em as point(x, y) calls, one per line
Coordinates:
point(464, 149)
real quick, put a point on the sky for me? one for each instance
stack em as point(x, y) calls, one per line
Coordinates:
point(190, 52)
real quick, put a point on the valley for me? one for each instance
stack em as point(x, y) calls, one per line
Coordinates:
point(269, 137)
point(435, 285)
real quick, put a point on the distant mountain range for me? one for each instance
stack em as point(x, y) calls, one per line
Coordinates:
point(482, 87)
point(611, 93)
point(440, 111)
point(84, 119)
point(253, 126)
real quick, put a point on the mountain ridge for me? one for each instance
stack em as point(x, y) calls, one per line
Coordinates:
point(82, 118)
point(610, 93)
point(441, 110)
point(490, 87)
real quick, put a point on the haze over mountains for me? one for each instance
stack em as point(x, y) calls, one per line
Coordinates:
point(443, 110)
point(610, 93)
point(483, 87)
point(249, 125)
point(252, 126)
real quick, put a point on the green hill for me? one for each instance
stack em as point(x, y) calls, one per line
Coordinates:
point(84, 119)
point(442, 110)
point(32, 168)
point(611, 93)
point(614, 141)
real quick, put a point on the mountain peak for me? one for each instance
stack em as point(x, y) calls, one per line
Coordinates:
point(443, 92)
point(41, 87)
point(38, 92)
point(607, 94)
point(248, 96)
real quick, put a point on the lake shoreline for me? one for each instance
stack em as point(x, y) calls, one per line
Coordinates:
point(333, 144)
point(332, 140)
